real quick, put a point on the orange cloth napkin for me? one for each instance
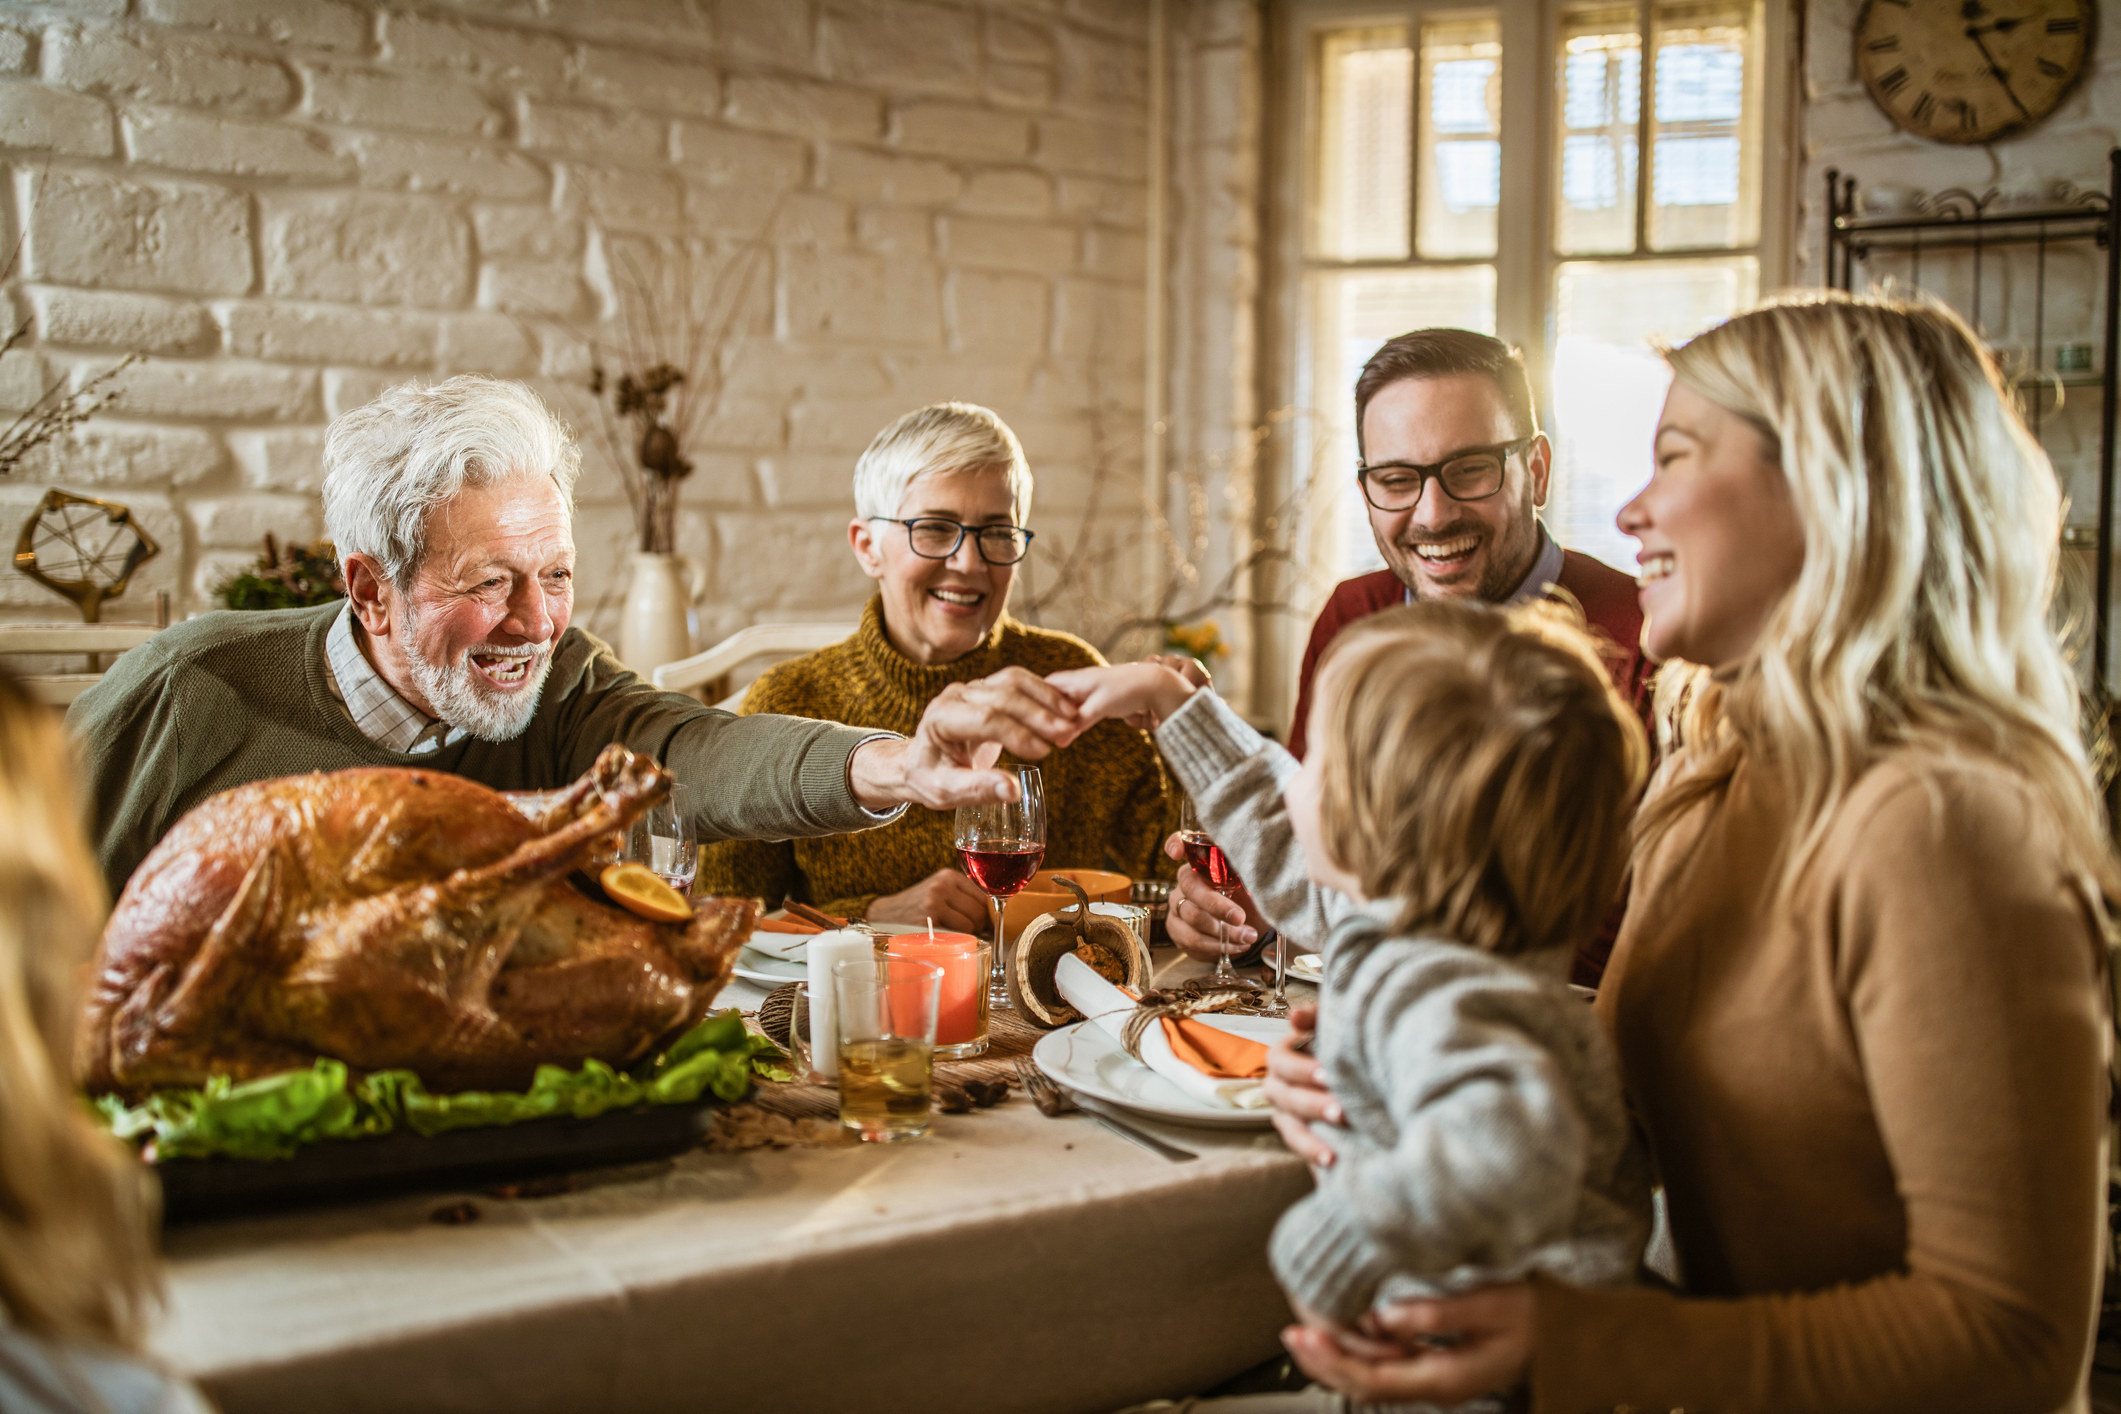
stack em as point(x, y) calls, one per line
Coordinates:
point(786, 925)
point(1216, 1052)
point(1211, 1050)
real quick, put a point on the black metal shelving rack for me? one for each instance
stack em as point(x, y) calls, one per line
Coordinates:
point(1962, 221)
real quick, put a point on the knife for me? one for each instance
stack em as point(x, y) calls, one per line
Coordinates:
point(1097, 1111)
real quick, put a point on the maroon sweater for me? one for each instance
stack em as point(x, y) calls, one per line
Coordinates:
point(1607, 597)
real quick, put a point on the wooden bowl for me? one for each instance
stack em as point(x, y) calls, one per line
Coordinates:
point(1042, 895)
point(1117, 954)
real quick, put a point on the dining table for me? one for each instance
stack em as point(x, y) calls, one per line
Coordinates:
point(1006, 1261)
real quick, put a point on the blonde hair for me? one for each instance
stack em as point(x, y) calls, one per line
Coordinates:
point(1931, 525)
point(1478, 767)
point(76, 1212)
point(940, 437)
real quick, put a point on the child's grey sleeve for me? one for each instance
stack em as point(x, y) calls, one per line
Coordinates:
point(1235, 777)
point(1491, 1151)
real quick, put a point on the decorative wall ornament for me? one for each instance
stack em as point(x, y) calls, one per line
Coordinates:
point(82, 549)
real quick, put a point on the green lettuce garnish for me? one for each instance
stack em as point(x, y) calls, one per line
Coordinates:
point(275, 1115)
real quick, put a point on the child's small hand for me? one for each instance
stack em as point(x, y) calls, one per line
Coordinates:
point(1141, 694)
point(1191, 669)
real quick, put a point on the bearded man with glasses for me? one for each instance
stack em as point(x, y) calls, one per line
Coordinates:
point(1453, 470)
point(941, 497)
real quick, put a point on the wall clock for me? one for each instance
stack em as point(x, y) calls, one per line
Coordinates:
point(1968, 71)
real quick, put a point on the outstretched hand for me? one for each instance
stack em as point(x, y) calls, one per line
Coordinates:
point(1140, 694)
point(949, 760)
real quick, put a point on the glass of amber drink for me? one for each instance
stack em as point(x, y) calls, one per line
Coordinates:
point(886, 1010)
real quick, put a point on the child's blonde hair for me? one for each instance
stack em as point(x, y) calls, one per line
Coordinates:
point(76, 1215)
point(1478, 767)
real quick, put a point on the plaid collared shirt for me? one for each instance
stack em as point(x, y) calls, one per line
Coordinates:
point(382, 716)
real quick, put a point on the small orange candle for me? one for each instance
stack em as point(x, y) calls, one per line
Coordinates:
point(958, 1016)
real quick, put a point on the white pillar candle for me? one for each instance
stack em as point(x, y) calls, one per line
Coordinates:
point(826, 949)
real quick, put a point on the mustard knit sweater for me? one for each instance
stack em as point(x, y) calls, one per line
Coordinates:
point(1109, 804)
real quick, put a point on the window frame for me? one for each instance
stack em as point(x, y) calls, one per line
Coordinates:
point(1525, 260)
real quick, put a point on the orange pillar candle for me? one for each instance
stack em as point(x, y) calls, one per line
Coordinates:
point(957, 1014)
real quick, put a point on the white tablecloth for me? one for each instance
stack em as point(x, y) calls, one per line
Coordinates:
point(1006, 1262)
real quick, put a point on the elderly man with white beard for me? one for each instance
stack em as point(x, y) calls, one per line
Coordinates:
point(451, 508)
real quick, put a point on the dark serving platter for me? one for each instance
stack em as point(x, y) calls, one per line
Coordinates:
point(354, 1169)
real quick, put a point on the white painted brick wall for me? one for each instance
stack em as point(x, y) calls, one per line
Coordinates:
point(292, 204)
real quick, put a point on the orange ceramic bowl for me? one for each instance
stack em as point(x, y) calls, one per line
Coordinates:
point(1042, 895)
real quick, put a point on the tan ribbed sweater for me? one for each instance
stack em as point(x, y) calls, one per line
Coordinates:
point(1878, 1112)
point(1108, 802)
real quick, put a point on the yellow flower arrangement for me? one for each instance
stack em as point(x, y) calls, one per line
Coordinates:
point(1202, 640)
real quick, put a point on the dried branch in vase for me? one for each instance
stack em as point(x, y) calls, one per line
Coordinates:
point(656, 386)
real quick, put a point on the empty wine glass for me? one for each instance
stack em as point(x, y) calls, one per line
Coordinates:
point(1002, 843)
point(1276, 1003)
point(1213, 866)
point(663, 839)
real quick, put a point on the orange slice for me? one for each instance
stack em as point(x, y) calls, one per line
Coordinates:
point(634, 886)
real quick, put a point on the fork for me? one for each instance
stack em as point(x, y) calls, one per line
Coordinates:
point(1053, 1101)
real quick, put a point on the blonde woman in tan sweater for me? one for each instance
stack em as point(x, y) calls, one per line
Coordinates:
point(1859, 996)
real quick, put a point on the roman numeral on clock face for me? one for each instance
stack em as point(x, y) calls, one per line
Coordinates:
point(1968, 119)
point(1894, 81)
point(1884, 44)
point(2071, 25)
point(2052, 69)
point(1924, 106)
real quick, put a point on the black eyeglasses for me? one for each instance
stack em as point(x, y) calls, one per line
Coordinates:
point(1470, 475)
point(933, 538)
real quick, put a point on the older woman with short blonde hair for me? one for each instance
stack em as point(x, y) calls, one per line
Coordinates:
point(941, 500)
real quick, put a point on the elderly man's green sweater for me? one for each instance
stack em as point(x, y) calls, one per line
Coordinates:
point(230, 698)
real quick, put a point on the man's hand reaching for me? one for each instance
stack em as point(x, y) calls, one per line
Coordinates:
point(949, 760)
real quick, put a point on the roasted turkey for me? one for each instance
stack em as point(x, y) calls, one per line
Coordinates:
point(393, 918)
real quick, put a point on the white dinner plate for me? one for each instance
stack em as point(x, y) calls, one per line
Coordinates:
point(1305, 967)
point(1085, 1057)
point(754, 964)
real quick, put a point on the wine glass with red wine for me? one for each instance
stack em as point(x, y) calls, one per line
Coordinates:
point(1213, 866)
point(1001, 844)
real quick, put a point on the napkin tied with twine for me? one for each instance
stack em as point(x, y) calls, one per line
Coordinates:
point(1238, 1065)
point(1208, 1049)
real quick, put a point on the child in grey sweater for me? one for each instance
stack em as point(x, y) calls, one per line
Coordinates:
point(1469, 787)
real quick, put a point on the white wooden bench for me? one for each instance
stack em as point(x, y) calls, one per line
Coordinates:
point(95, 640)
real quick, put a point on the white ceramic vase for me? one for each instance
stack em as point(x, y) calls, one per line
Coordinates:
point(658, 625)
